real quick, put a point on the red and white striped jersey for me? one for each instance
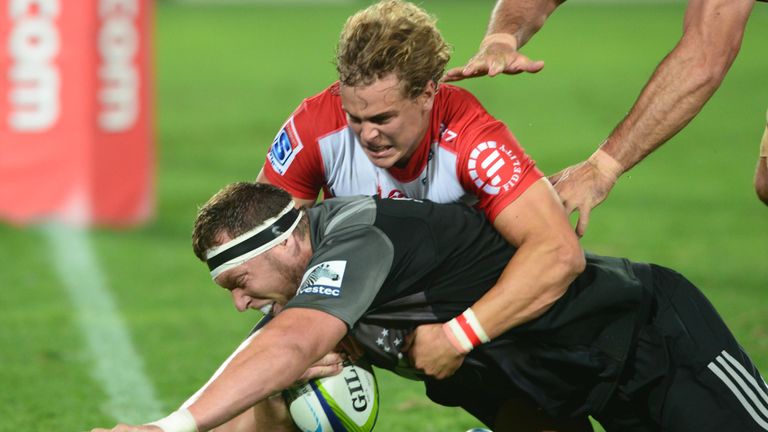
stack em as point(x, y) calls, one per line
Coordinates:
point(466, 155)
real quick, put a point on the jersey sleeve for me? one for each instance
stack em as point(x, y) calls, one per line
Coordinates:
point(293, 161)
point(492, 164)
point(346, 273)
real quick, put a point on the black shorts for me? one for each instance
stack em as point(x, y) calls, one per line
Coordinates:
point(479, 388)
point(688, 372)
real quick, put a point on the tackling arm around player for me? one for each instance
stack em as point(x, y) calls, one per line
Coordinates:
point(393, 130)
point(675, 93)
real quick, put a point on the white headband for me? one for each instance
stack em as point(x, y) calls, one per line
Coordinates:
point(254, 242)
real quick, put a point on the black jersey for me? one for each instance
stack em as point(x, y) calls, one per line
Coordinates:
point(386, 266)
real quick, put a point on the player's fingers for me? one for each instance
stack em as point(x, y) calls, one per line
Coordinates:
point(454, 74)
point(554, 178)
point(496, 65)
point(531, 66)
point(331, 358)
point(581, 225)
point(321, 372)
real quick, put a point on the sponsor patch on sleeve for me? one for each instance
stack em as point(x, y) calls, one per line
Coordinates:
point(284, 148)
point(323, 279)
point(494, 168)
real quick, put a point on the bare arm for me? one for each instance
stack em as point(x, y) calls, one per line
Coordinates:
point(271, 362)
point(512, 24)
point(547, 260)
point(683, 81)
point(675, 93)
point(520, 18)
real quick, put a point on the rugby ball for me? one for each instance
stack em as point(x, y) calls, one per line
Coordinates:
point(347, 402)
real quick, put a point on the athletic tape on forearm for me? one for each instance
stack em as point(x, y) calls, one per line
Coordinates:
point(465, 331)
point(178, 421)
point(606, 164)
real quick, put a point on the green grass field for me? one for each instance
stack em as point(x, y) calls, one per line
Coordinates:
point(226, 79)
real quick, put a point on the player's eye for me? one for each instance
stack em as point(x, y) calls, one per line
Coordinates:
point(381, 120)
point(353, 119)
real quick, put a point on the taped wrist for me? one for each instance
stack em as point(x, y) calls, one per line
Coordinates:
point(504, 38)
point(606, 164)
point(465, 332)
point(178, 421)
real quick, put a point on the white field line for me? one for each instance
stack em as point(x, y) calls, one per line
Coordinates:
point(117, 366)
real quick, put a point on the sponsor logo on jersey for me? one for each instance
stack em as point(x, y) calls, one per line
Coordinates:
point(493, 168)
point(323, 279)
point(284, 148)
point(395, 193)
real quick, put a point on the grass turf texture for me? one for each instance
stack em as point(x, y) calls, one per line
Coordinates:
point(227, 77)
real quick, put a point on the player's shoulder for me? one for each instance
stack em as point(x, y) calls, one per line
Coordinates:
point(463, 120)
point(453, 95)
point(321, 112)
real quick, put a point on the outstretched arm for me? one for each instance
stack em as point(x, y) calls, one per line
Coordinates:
point(272, 361)
point(675, 93)
point(512, 24)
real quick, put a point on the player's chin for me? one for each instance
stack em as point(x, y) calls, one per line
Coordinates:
point(276, 309)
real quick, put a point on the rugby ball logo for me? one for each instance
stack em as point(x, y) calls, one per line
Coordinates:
point(345, 402)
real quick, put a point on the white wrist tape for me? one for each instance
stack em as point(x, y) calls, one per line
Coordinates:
point(465, 331)
point(178, 421)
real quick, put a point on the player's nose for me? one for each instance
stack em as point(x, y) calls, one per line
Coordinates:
point(240, 300)
point(369, 133)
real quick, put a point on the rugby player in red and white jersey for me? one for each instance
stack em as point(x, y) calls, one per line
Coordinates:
point(390, 128)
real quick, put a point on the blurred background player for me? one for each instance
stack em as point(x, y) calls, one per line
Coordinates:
point(677, 90)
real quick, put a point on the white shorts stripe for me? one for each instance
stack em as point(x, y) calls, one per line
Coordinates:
point(738, 393)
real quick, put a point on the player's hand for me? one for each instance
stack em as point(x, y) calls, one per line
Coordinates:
point(582, 187)
point(329, 365)
point(129, 428)
point(431, 352)
point(497, 54)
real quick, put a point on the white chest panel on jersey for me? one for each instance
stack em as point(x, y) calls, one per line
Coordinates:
point(348, 171)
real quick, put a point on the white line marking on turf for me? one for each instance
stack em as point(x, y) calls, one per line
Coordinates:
point(118, 367)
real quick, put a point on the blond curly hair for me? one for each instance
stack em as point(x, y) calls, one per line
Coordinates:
point(392, 36)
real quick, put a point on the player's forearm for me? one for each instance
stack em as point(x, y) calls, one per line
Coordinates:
point(683, 81)
point(273, 360)
point(251, 377)
point(520, 18)
point(536, 277)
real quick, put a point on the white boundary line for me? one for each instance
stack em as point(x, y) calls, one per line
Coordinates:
point(117, 366)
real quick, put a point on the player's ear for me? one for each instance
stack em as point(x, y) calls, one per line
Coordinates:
point(428, 96)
